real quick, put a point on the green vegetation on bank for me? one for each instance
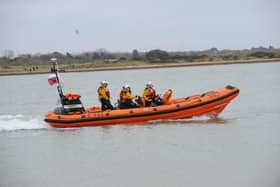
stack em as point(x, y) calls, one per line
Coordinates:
point(104, 59)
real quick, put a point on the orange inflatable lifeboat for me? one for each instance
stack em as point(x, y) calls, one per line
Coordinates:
point(211, 103)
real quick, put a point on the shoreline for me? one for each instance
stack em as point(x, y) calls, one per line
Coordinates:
point(152, 66)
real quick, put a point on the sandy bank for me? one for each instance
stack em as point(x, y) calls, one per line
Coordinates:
point(150, 66)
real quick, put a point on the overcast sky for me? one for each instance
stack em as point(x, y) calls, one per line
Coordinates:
point(42, 26)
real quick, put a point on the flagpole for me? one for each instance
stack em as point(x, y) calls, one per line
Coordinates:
point(55, 69)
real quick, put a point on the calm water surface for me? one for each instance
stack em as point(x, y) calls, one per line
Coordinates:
point(240, 148)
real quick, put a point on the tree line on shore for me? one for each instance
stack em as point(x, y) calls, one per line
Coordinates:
point(152, 56)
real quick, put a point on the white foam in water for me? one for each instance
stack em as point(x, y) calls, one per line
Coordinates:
point(20, 122)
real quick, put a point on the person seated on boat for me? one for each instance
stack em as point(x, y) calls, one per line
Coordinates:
point(149, 94)
point(126, 99)
point(104, 96)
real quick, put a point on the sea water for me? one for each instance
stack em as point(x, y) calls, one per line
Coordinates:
point(240, 148)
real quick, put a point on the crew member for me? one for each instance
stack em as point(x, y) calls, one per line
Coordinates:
point(104, 96)
point(126, 99)
point(149, 94)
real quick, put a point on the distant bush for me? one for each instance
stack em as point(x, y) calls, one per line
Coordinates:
point(157, 55)
point(231, 57)
point(276, 55)
point(261, 54)
point(6, 67)
point(192, 58)
point(152, 56)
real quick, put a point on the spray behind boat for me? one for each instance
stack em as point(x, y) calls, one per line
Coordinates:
point(70, 102)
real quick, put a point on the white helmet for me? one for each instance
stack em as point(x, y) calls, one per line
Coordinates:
point(126, 86)
point(103, 83)
point(149, 84)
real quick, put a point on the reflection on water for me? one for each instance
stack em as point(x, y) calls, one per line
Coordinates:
point(197, 121)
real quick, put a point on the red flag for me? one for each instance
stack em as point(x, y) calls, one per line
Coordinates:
point(52, 79)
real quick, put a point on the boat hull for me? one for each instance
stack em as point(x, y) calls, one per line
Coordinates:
point(210, 103)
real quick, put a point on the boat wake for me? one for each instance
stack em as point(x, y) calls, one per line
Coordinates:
point(20, 122)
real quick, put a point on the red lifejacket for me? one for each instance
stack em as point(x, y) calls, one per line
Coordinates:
point(121, 94)
point(152, 94)
point(107, 92)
